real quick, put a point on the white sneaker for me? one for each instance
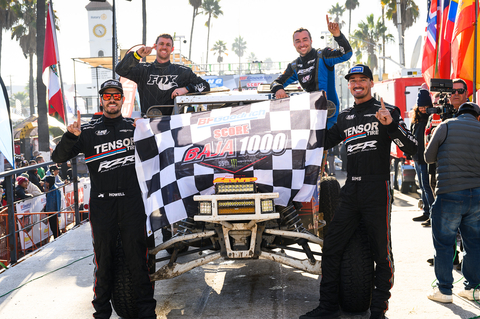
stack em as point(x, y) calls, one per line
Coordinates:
point(437, 295)
point(468, 294)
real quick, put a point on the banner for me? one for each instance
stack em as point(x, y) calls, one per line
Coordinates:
point(278, 143)
point(33, 233)
point(6, 140)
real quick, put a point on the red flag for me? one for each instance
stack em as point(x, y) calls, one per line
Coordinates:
point(50, 72)
point(463, 44)
point(430, 47)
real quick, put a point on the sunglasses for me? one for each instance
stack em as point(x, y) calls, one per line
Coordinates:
point(459, 91)
point(108, 96)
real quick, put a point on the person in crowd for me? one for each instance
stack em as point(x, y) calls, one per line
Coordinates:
point(33, 176)
point(64, 167)
point(21, 188)
point(160, 82)
point(32, 189)
point(54, 203)
point(366, 194)
point(54, 171)
point(419, 121)
point(41, 170)
point(314, 69)
point(455, 147)
point(116, 204)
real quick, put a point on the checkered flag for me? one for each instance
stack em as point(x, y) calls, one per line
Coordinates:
point(277, 142)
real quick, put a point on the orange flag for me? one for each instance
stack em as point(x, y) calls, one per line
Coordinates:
point(463, 45)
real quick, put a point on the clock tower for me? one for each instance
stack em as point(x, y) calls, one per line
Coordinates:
point(100, 28)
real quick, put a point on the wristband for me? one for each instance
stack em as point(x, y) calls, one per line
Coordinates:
point(138, 57)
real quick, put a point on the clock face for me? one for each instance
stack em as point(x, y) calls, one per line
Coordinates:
point(99, 30)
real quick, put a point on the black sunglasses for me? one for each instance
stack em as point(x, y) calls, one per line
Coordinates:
point(459, 91)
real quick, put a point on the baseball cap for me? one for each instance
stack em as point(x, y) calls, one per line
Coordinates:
point(111, 84)
point(360, 69)
point(53, 168)
point(469, 106)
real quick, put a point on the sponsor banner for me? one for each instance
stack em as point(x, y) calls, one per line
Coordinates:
point(248, 82)
point(32, 233)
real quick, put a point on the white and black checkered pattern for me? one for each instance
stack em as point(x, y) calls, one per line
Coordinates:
point(169, 183)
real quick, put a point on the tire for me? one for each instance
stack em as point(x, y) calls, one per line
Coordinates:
point(356, 274)
point(124, 300)
point(329, 199)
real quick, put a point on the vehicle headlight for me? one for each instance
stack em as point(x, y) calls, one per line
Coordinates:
point(205, 208)
point(234, 188)
point(267, 206)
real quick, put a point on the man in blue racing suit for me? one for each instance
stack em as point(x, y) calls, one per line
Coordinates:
point(314, 69)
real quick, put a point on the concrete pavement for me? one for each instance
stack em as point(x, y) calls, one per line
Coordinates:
point(56, 282)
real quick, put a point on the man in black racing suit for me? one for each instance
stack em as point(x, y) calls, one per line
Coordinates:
point(116, 205)
point(161, 81)
point(367, 129)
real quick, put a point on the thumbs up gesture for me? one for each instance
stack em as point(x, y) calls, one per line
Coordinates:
point(383, 115)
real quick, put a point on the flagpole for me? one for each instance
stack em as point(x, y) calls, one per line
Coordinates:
point(475, 54)
point(59, 68)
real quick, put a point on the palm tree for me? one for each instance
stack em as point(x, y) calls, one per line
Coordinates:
point(366, 37)
point(211, 8)
point(337, 10)
point(25, 32)
point(219, 48)
point(409, 14)
point(8, 18)
point(195, 4)
point(239, 46)
point(350, 5)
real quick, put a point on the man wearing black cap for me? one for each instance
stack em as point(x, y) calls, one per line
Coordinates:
point(116, 205)
point(367, 129)
point(455, 147)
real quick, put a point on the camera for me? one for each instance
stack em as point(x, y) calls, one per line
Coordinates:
point(444, 86)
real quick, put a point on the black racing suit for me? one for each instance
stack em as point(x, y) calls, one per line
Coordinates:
point(156, 81)
point(365, 196)
point(116, 206)
point(315, 72)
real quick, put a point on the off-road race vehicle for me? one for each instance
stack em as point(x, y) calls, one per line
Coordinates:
point(238, 222)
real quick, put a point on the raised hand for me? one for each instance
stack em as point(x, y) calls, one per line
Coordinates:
point(333, 27)
point(144, 51)
point(74, 128)
point(383, 115)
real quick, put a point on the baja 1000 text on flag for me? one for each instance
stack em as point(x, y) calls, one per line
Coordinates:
point(50, 72)
point(278, 144)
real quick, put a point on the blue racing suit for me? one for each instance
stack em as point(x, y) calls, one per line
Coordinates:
point(315, 72)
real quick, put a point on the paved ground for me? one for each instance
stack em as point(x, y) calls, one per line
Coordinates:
point(56, 282)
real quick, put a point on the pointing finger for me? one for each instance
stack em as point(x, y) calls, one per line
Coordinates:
point(383, 104)
point(328, 21)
